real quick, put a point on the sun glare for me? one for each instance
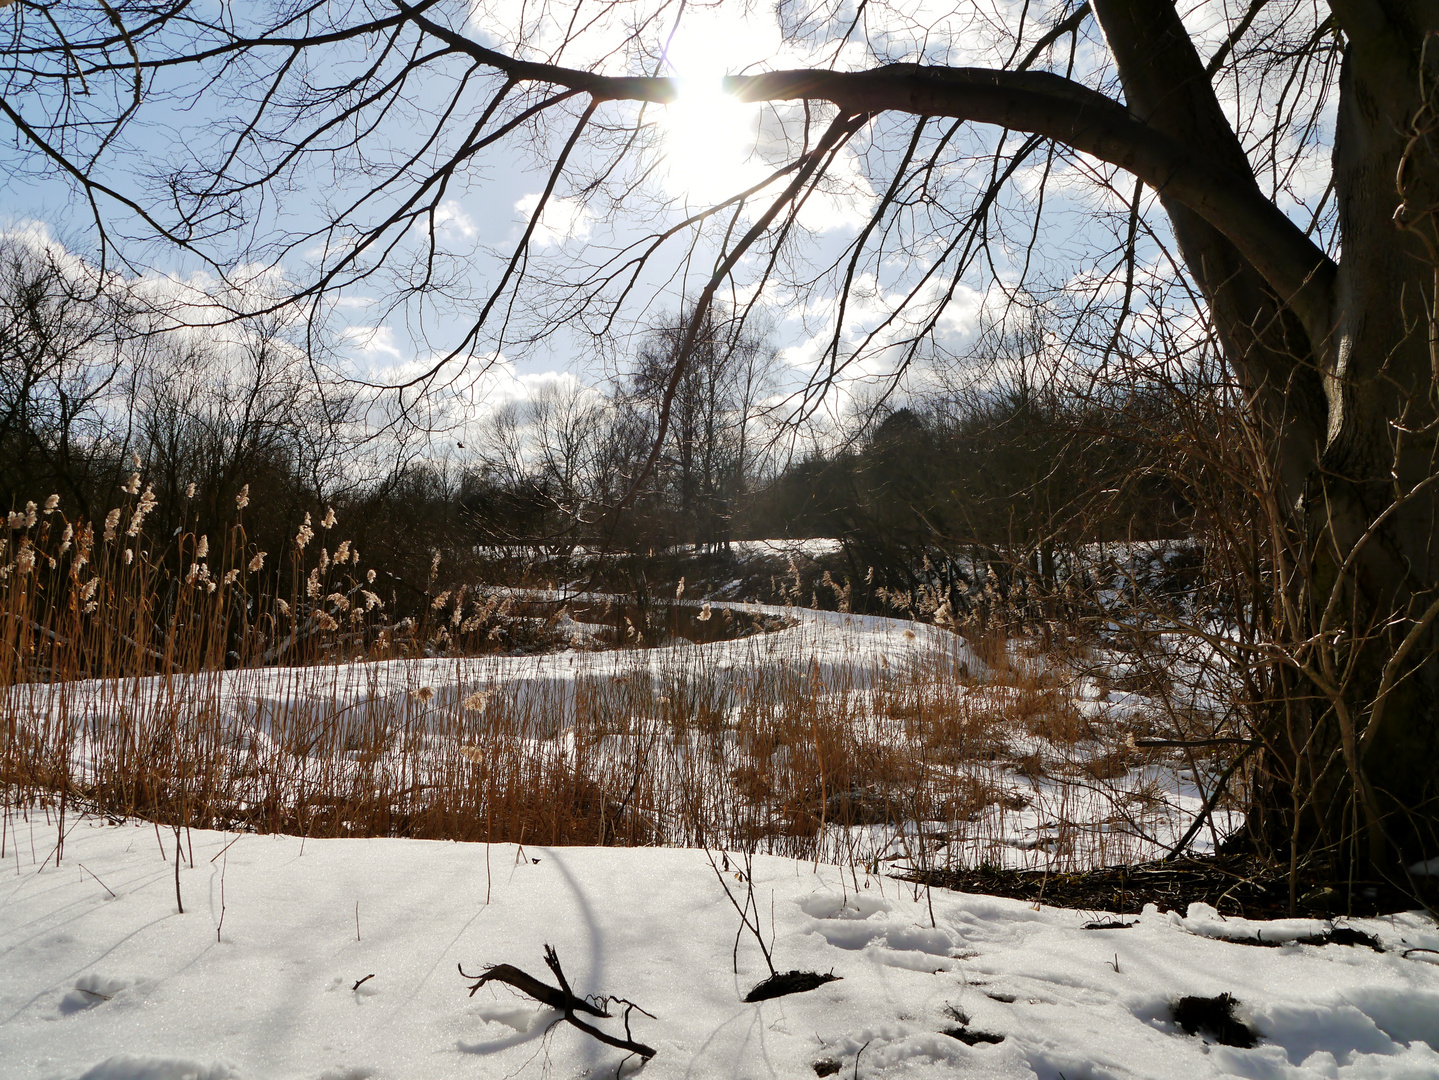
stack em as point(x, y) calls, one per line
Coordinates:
point(709, 139)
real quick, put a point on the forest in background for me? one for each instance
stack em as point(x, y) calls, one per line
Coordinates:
point(1007, 458)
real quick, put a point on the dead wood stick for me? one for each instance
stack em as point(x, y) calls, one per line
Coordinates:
point(563, 999)
point(528, 984)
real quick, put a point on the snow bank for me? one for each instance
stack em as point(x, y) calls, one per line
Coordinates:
point(258, 979)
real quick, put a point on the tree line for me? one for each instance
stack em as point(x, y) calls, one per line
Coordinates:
point(999, 459)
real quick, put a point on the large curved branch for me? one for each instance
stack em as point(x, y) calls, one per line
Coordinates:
point(601, 87)
point(1035, 102)
point(1058, 108)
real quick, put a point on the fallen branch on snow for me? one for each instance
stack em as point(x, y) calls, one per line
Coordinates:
point(563, 999)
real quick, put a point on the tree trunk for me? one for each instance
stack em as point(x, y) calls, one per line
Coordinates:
point(1369, 508)
point(1351, 736)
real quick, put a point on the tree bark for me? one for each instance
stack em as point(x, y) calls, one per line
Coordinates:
point(1370, 509)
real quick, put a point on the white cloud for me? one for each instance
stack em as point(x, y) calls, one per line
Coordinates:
point(450, 217)
point(563, 219)
point(373, 341)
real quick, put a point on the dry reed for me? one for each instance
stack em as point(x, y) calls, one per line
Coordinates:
point(209, 685)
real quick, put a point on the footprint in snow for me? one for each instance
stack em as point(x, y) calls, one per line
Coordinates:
point(150, 1067)
point(91, 991)
point(901, 1044)
point(862, 922)
point(853, 906)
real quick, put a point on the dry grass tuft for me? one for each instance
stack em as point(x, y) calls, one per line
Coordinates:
point(204, 684)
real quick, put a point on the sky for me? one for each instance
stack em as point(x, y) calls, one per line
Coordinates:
point(708, 146)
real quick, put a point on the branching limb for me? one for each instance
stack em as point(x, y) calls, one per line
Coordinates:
point(749, 905)
point(563, 999)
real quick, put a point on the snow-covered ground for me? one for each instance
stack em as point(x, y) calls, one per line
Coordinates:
point(337, 959)
point(1029, 803)
point(780, 547)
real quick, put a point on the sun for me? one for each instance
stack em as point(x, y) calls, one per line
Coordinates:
point(709, 137)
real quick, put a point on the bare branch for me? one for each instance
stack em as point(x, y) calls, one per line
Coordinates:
point(562, 999)
point(1051, 105)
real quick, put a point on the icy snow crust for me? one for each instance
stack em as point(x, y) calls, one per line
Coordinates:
point(124, 988)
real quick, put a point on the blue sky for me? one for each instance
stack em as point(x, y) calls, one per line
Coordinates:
point(704, 147)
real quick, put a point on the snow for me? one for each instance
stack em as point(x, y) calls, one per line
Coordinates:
point(810, 548)
point(1056, 819)
point(813, 548)
point(831, 642)
point(257, 979)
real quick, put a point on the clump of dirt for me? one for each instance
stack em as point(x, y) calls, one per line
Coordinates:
point(1339, 935)
point(1347, 935)
point(971, 1037)
point(1214, 1017)
point(783, 983)
point(963, 1032)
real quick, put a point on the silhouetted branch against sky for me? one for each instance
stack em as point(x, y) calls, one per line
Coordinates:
point(501, 177)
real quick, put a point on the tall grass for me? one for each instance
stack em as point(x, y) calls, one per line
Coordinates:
point(223, 688)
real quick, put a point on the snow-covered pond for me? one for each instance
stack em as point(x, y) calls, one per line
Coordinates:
point(715, 728)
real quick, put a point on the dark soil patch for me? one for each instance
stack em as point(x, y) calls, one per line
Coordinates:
point(789, 982)
point(1214, 1017)
point(628, 623)
point(1234, 884)
point(1340, 935)
point(826, 1067)
point(970, 1037)
point(865, 806)
point(1347, 935)
point(1107, 924)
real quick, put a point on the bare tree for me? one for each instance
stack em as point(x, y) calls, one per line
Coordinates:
point(708, 442)
point(64, 375)
point(538, 480)
point(248, 407)
point(1323, 305)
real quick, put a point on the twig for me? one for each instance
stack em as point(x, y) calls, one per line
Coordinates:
point(179, 903)
point(226, 847)
point(92, 873)
point(563, 999)
point(224, 865)
point(361, 982)
point(753, 927)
